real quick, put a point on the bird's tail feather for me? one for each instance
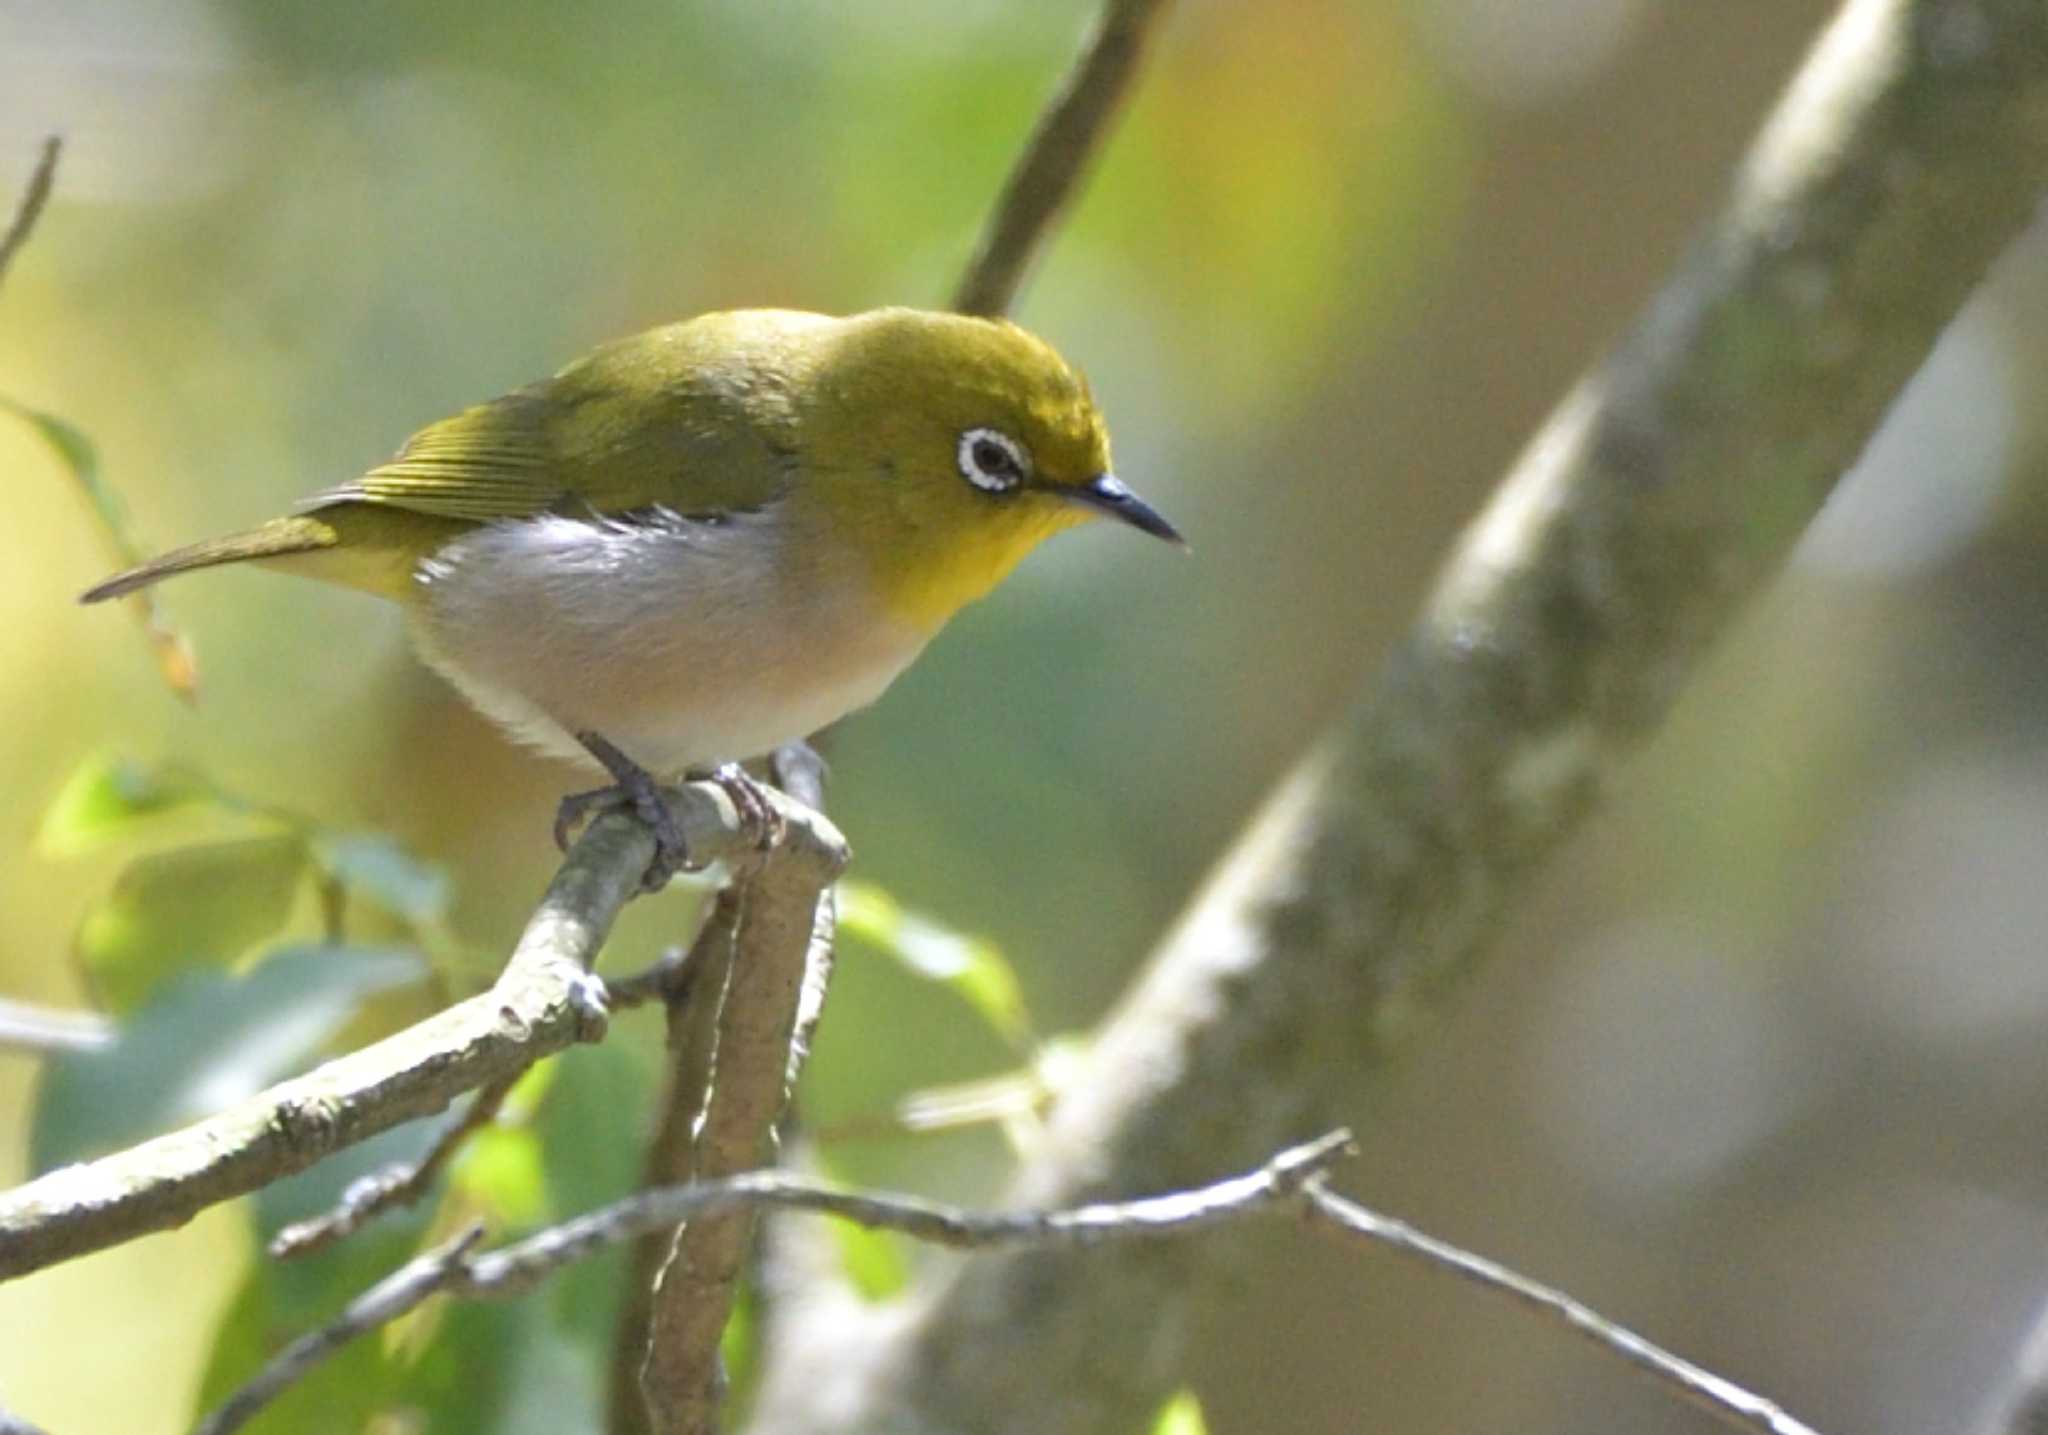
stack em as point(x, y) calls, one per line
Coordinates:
point(278, 538)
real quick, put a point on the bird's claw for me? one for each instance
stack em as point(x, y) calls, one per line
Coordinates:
point(643, 796)
point(758, 816)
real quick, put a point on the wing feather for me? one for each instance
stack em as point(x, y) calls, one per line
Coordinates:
point(489, 462)
point(687, 418)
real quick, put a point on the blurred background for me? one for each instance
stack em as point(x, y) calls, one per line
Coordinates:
point(1760, 1068)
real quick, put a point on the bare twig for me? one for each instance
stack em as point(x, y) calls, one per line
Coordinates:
point(1667, 489)
point(1723, 1399)
point(668, 978)
point(382, 1303)
point(1054, 158)
point(515, 1269)
point(1293, 1182)
point(25, 1026)
point(544, 1001)
point(33, 198)
point(400, 1184)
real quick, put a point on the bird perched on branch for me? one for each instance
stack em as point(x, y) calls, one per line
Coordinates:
point(700, 542)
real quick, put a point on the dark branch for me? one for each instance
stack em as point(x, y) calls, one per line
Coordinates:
point(33, 198)
point(1049, 171)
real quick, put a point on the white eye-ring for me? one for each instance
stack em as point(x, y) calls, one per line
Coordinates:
point(993, 461)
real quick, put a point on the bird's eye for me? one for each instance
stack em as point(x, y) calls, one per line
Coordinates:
point(993, 461)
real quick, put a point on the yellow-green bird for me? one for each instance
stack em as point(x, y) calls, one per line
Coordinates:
point(701, 542)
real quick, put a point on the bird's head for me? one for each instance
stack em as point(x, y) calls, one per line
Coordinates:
point(949, 447)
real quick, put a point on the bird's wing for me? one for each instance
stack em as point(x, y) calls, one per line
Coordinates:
point(487, 462)
point(636, 426)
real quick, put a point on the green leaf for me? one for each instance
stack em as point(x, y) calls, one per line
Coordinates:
point(340, 1396)
point(282, 1300)
point(1181, 1415)
point(106, 798)
point(501, 1177)
point(591, 1159)
point(186, 910)
point(207, 1041)
point(501, 1368)
point(739, 1346)
point(874, 1261)
point(379, 868)
point(973, 967)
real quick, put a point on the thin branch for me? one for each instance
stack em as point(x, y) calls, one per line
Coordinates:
point(773, 912)
point(1664, 492)
point(382, 1303)
point(393, 1187)
point(1721, 1398)
point(666, 1385)
point(42, 1030)
point(671, 1157)
point(545, 1001)
point(515, 1269)
point(1291, 1183)
point(1049, 170)
point(33, 199)
point(670, 977)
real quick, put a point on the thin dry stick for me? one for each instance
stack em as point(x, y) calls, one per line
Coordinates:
point(1291, 1183)
point(398, 1185)
point(33, 198)
point(27, 1027)
point(1049, 171)
point(515, 1269)
point(1723, 1399)
point(669, 977)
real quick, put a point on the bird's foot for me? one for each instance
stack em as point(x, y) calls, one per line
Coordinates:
point(632, 787)
point(758, 816)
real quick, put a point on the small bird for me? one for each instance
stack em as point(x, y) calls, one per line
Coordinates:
point(698, 543)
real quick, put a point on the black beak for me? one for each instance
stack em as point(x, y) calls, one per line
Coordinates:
point(1106, 494)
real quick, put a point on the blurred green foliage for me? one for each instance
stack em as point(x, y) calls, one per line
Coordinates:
point(1182, 1415)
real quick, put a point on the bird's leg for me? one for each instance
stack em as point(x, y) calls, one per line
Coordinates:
point(756, 813)
point(632, 786)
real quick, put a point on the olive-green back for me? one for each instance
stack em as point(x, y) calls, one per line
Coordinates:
point(693, 417)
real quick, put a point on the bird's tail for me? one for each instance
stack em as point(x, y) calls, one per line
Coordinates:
point(278, 538)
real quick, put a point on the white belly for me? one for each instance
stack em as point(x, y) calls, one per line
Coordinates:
point(684, 643)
